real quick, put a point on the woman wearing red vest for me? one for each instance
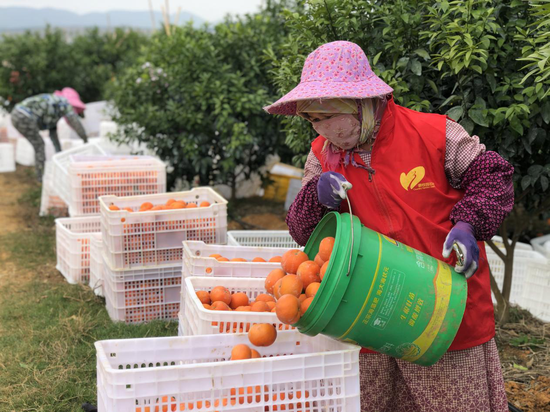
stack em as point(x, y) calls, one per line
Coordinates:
point(418, 178)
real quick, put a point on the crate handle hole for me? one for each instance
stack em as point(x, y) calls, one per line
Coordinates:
point(112, 355)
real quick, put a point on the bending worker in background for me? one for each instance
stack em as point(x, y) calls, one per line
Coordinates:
point(42, 112)
point(418, 178)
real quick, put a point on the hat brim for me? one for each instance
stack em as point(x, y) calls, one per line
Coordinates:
point(372, 87)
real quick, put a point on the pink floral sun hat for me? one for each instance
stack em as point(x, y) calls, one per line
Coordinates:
point(338, 69)
point(72, 96)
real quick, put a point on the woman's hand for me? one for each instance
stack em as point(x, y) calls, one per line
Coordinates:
point(463, 235)
point(331, 189)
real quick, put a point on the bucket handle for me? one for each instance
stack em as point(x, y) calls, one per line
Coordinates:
point(352, 238)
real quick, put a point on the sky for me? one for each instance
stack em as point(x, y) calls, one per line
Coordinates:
point(210, 10)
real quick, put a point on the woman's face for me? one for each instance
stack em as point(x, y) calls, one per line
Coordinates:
point(342, 130)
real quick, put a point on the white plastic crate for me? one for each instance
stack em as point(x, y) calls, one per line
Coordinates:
point(142, 295)
point(61, 162)
point(135, 239)
point(542, 245)
point(7, 158)
point(73, 246)
point(522, 258)
point(297, 372)
point(497, 240)
point(50, 202)
point(197, 260)
point(96, 264)
point(94, 176)
point(536, 290)
point(262, 238)
point(200, 321)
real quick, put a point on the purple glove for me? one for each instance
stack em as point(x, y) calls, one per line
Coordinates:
point(331, 189)
point(463, 235)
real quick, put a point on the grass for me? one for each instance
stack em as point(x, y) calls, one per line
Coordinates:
point(47, 326)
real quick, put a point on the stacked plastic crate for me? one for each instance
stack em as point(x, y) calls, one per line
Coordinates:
point(202, 272)
point(83, 174)
point(191, 372)
point(142, 248)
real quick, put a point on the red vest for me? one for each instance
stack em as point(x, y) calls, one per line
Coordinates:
point(410, 200)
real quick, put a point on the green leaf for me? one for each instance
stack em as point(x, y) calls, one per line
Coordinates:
point(422, 53)
point(492, 82)
point(468, 125)
point(525, 182)
point(402, 62)
point(544, 183)
point(516, 125)
point(433, 86)
point(477, 116)
point(535, 171)
point(520, 367)
point(375, 60)
point(532, 135)
point(416, 67)
point(455, 113)
point(476, 68)
point(545, 112)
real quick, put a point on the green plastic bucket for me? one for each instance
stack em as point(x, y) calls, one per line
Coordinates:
point(394, 300)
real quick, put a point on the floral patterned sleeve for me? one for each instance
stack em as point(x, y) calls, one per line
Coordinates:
point(306, 211)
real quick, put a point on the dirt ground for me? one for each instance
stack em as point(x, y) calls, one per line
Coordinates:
point(524, 343)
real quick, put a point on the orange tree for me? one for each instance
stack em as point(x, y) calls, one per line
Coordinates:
point(462, 58)
point(196, 99)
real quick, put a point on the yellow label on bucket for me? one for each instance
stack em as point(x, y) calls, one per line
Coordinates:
point(443, 285)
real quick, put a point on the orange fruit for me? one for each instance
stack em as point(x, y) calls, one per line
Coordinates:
point(238, 260)
point(323, 270)
point(238, 299)
point(325, 248)
point(255, 354)
point(259, 306)
point(258, 259)
point(274, 276)
point(178, 204)
point(292, 259)
point(241, 351)
point(173, 406)
point(288, 309)
point(204, 296)
point(114, 207)
point(222, 259)
point(219, 305)
point(207, 306)
point(305, 305)
point(158, 207)
point(219, 293)
point(215, 255)
point(128, 209)
point(204, 203)
point(264, 298)
point(312, 289)
point(318, 260)
point(191, 205)
point(302, 297)
point(271, 305)
point(169, 202)
point(274, 309)
point(308, 272)
point(290, 284)
point(276, 259)
point(262, 334)
point(146, 206)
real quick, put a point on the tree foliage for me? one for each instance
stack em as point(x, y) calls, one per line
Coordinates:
point(34, 62)
point(196, 98)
